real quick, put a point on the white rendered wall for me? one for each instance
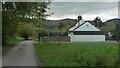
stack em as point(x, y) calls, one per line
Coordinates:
point(76, 38)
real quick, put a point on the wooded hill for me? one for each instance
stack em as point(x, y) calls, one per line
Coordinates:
point(107, 26)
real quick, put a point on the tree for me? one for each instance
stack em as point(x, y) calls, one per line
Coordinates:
point(23, 12)
point(42, 32)
point(60, 25)
point(97, 22)
point(27, 30)
point(104, 29)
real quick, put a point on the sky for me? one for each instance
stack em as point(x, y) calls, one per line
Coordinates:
point(88, 9)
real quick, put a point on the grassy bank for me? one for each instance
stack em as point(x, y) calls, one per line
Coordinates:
point(77, 54)
point(10, 43)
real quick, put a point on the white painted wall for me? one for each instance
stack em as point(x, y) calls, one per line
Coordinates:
point(75, 38)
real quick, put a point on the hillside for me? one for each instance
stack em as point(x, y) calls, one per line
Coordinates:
point(108, 26)
point(115, 20)
point(51, 24)
point(67, 22)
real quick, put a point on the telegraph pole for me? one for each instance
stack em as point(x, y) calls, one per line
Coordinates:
point(117, 31)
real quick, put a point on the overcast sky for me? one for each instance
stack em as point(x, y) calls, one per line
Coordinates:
point(89, 9)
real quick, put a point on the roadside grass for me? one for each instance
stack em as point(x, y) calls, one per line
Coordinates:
point(10, 43)
point(77, 53)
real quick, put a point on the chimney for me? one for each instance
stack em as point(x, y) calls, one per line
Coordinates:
point(79, 18)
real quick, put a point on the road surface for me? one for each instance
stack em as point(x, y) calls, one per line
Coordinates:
point(22, 54)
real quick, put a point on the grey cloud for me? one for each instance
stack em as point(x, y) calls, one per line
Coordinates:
point(61, 9)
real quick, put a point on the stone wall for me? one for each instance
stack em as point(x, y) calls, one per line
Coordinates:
point(55, 39)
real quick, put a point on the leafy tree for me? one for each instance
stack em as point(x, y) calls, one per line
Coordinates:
point(97, 22)
point(109, 27)
point(23, 12)
point(60, 25)
point(104, 29)
point(42, 32)
point(27, 30)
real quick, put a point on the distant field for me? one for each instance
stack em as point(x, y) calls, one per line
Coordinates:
point(77, 54)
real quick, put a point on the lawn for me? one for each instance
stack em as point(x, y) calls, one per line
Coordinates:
point(10, 43)
point(77, 53)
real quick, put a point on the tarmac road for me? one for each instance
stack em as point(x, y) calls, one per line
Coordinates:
point(23, 54)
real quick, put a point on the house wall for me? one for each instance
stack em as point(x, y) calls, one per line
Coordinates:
point(75, 38)
point(85, 32)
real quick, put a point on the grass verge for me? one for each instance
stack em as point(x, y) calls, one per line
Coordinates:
point(10, 43)
point(77, 54)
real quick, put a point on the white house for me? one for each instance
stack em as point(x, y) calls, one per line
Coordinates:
point(85, 31)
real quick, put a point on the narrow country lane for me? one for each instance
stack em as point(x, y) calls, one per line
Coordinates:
point(22, 54)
